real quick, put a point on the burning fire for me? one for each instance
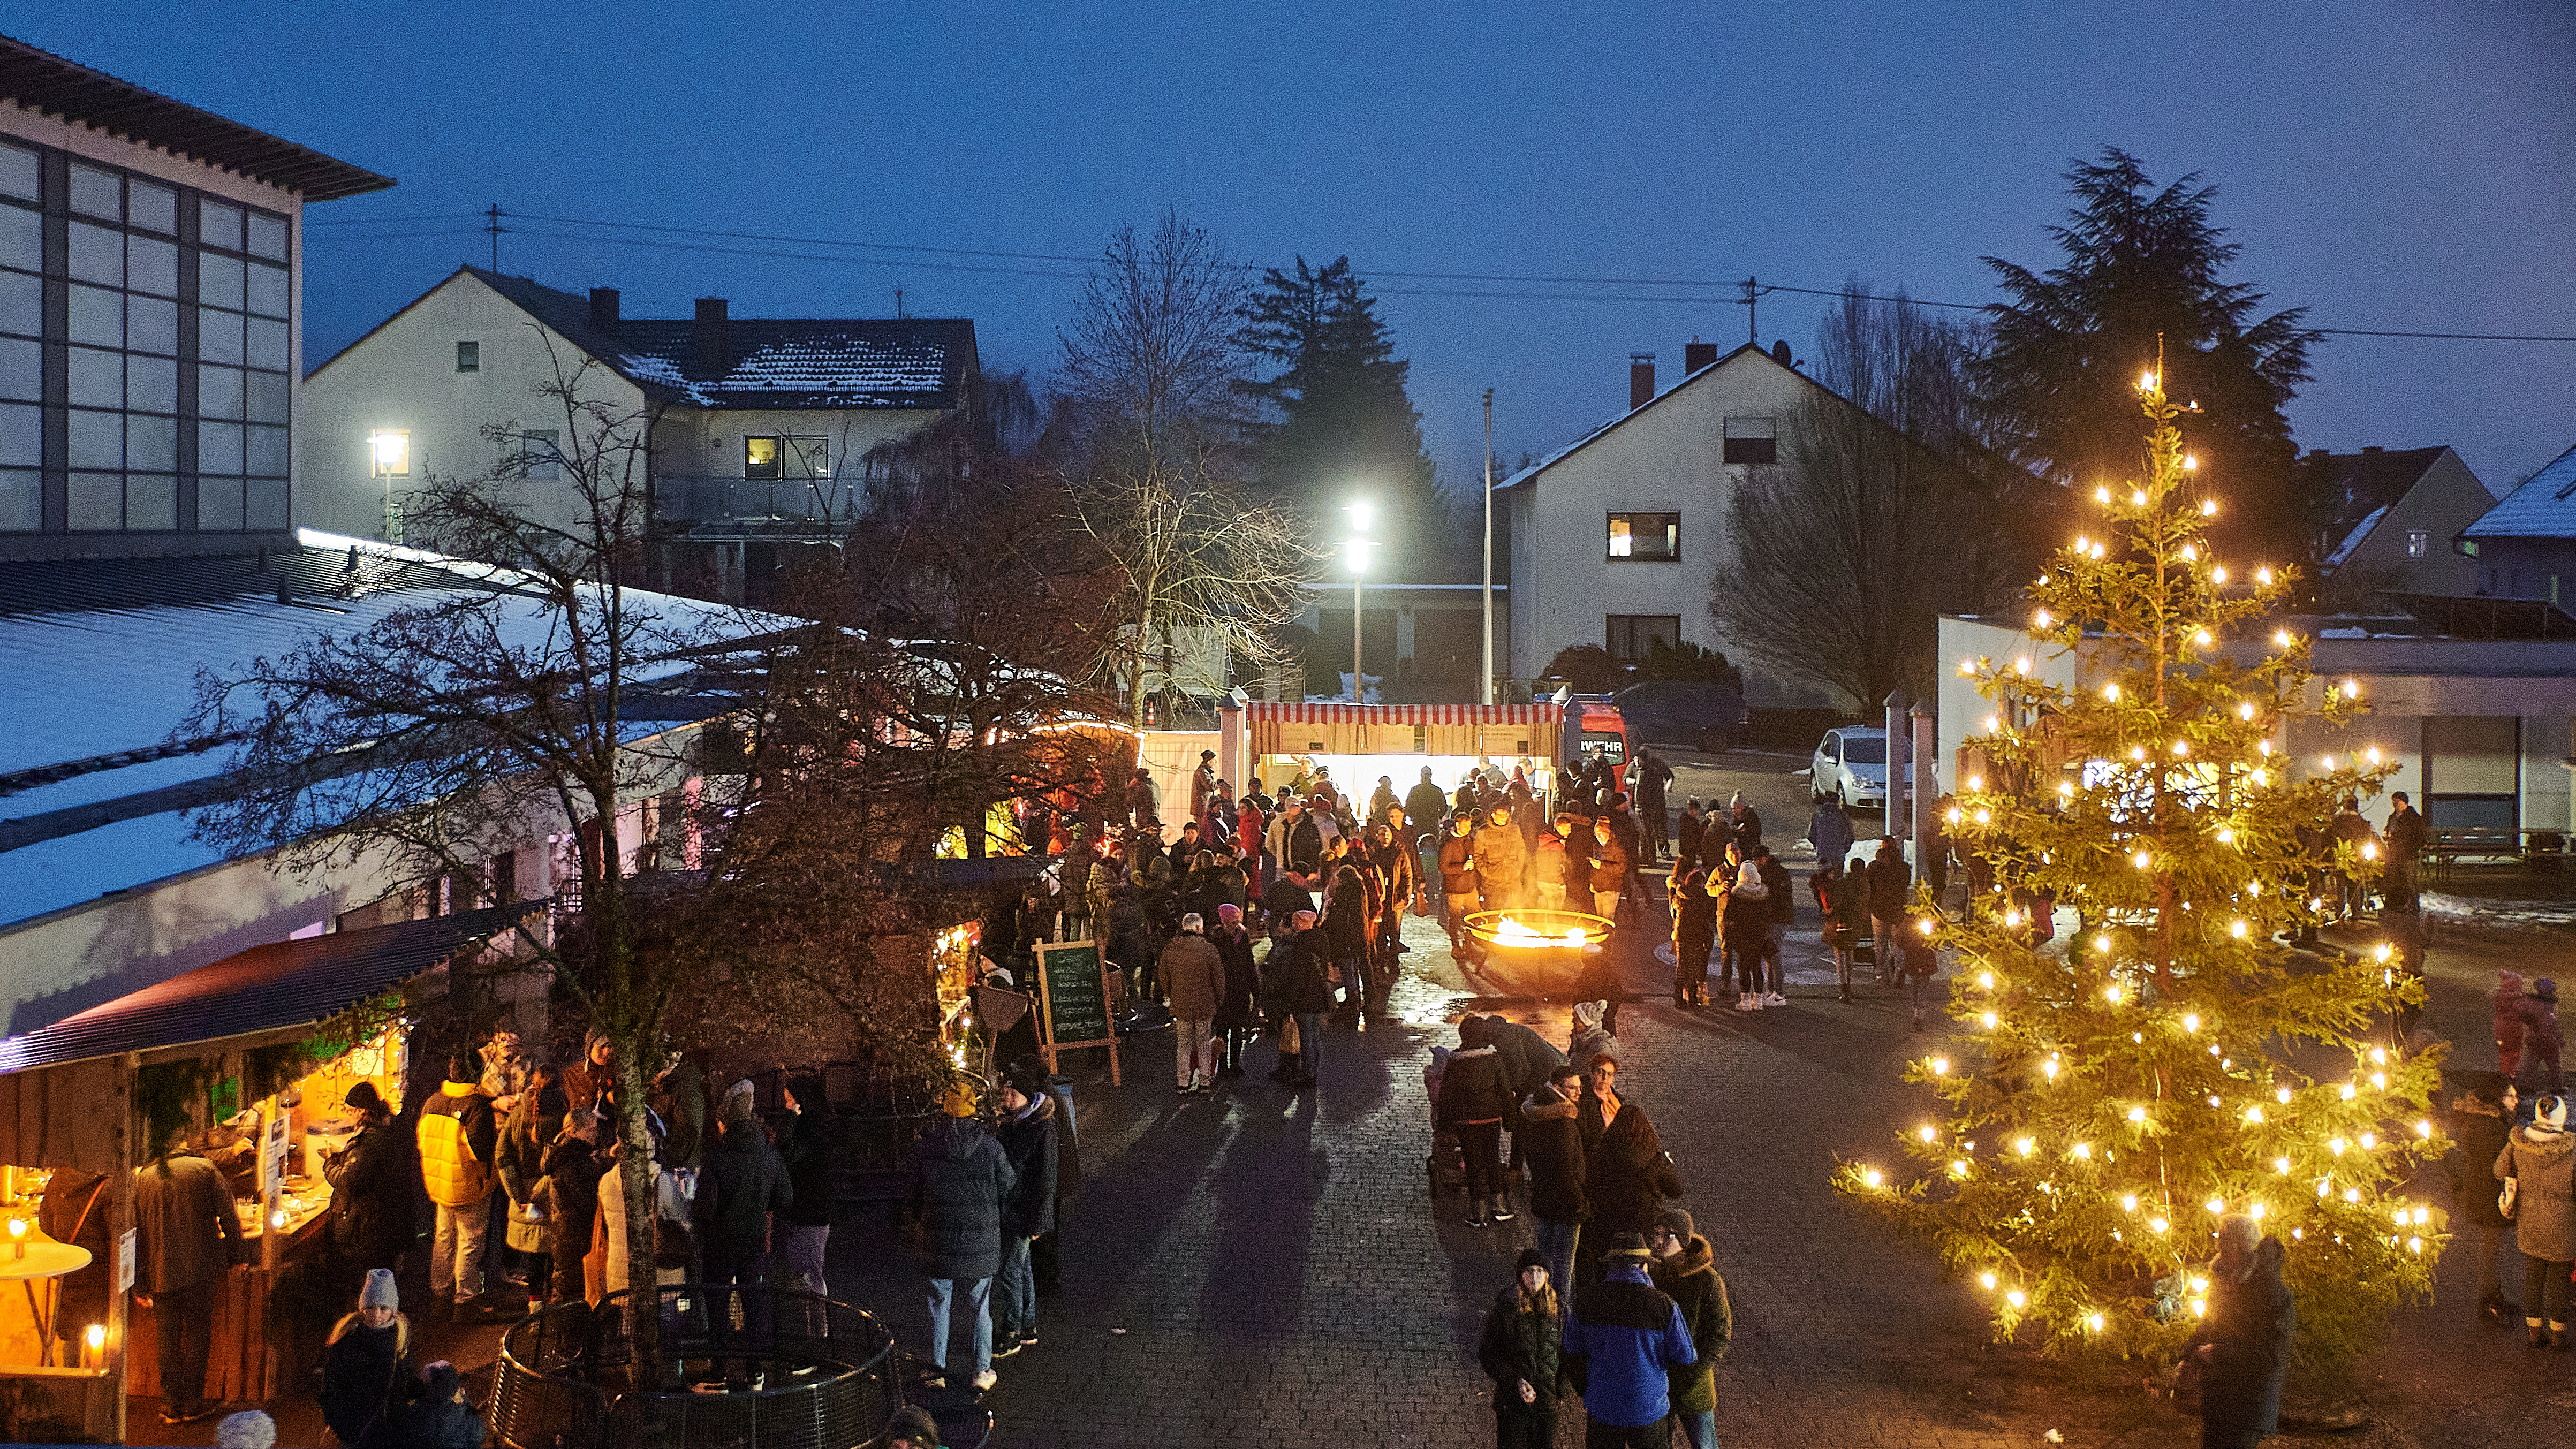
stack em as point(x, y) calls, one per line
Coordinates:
point(1508, 932)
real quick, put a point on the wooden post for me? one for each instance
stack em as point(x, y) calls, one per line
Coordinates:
point(121, 1243)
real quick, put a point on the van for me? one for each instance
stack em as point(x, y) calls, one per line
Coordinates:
point(1687, 714)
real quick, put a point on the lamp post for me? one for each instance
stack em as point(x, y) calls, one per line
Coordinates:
point(390, 454)
point(1360, 514)
point(1485, 693)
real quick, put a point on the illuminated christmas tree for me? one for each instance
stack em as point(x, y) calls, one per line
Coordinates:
point(2168, 1060)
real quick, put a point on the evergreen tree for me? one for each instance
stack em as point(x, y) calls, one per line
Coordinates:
point(1343, 426)
point(2168, 1061)
point(2142, 264)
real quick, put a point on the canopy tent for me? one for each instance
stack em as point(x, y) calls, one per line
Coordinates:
point(1404, 729)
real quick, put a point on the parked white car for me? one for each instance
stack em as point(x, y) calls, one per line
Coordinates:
point(1851, 766)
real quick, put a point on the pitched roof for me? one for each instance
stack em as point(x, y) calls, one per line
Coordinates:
point(49, 84)
point(2543, 507)
point(1561, 454)
point(785, 363)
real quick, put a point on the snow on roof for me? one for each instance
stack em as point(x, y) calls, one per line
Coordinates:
point(2543, 507)
point(2353, 539)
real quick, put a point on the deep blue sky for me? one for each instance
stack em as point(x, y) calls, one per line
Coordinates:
point(2385, 163)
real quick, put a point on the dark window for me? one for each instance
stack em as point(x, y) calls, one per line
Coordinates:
point(469, 357)
point(539, 455)
point(1645, 537)
point(1752, 440)
point(1630, 634)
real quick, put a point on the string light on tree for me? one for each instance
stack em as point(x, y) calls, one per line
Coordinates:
point(2158, 1070)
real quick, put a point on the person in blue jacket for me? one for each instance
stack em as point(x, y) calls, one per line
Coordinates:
point(1627, 1337)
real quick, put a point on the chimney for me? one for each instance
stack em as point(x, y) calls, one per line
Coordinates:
point(603, 306)
point(1641, 379)
point(1698, 355)
point(711, 338)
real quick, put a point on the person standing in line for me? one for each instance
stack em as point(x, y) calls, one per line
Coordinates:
point(1475, 1097)
point(458, 1142)
point(1694, 937)
point(570, 1197)
point(1685, 1270)
point(1305, 994)
point(960, 1177)
point(372, 1225)
point(741, 1184)
point(1829, 830)
point(1553, 1143)
point(2540, 1159)
point(1843, 903)
point(2481, 1126)
point(1649, 779)
point(1630, 1338)
point(2407, 835)
point(1426, 804)
point(1774, 925)
point(2244, 1344)
point(1027, 1135)
point(1458, 881)
point(1194, 973)
point(1890, 883)
point(1523, 1352)
point(366, 1369)
point(808, 1145)
point(1238, 1007)
point(190, 1236)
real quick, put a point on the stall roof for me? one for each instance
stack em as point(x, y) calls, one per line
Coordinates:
point(266, 988)
point(1405, 714)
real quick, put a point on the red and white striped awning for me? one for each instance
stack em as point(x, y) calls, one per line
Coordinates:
point(1405, 714)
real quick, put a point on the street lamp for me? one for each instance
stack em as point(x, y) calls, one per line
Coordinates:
point(1361, 513)
point(389, 453)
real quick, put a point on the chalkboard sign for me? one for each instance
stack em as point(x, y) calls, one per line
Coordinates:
point(1073, 1000)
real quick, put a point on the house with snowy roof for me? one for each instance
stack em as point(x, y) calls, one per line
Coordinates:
point(760, 426)
point(2525, 546)
point(2395, 514)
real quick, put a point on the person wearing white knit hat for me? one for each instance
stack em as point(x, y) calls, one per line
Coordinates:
point(2539, 1166)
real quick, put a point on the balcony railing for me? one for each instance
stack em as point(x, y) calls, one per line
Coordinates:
point(817, 503)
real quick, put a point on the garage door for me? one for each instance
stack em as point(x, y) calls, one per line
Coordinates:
point(2472, 771)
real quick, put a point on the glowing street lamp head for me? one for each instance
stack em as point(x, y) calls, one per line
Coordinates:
point(1362, 512)
point(1356, 552)
point(391, 453)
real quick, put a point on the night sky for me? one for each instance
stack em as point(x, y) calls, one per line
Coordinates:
point(2388, 164)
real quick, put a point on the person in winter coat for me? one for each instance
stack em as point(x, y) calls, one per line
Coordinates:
point(1425, 804)
point(2512, 1023)
point(533, 1120)
point(1685, 1270)
point(1028, 1137)
point(2541, 1041)
point(742, 1183)
point(2541, 1159)
point(1694, 936)
point(1523, 1352)
point(1649, 779)
point(1238, 1005)
point(1475, 1097)
point(1458, 881)
point(1891, 890)
point(1502, 859)
point(1630, 1338)
point(459, 1139)
point(1350, 920)
point(2244, 1344)
point(1627, 1172)
point(1609, 875)
point(960, 1178)
point(366, 1369)
point(1744, 925)
point(439, 1417)
point(2481, 1121)
point(1194, 973)
point(1690, 835)
point(1553, 1142)
point(372, 1225)
point(808, 1142)
point(1547, 870)
point(1591, 1036)
point(568, 1193)
point(1829, 830)
point(672, 1231)
point(1843, 903)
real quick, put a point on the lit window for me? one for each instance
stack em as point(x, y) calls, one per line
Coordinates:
point(1654, 537)
point(390, 450)
point(2418, 543)
point(469, 357)
point(1752, 440)
point(792, 459)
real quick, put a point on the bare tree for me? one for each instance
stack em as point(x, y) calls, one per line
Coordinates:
point(1874, 523)
point(1150, 439)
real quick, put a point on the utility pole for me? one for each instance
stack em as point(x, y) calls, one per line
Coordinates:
point(1752, 294)
point(1485, 693)
point(492, 224)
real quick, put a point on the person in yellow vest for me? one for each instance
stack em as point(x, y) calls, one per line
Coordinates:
point(458, 1142)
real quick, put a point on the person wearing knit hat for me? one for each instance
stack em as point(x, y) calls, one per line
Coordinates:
point(741, 1181)
point(1027, 1132)
point(1631, 1337)
point(2540, 1158)
point(249, 1429)
point(1591, 1037)
point(365, 1367)
point(440, 1418)
point(2243, 1344)
point(1523, 1352)
point(1685, 1271)
point(961, 1177)
point(912, 1428)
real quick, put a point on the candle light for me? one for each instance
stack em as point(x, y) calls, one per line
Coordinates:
point(18, 1236)
point(94, 1347)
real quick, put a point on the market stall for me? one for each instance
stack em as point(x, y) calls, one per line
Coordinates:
point(252, 1057)
point(1359, 742)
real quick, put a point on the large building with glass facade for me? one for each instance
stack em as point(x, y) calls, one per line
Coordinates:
point(149, 281)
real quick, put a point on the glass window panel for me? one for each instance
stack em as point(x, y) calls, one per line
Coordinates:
point(152, 384)
point(152, 325)
point(98, 439)
point(22, 500)
point(22, 434)
point(219, 225)
point(219, 505)
point(98, 378)
point(219, 336)
point(219, 392)
point(98, 193)
point(219, 282)
point(22, 304)
point(155, 208)
point(98, 317)
point(219, 448)
point(267, 344)
point(267, 290)
point(266, 398)
point(98, 255)
point(808, 458)
point(268, 237)
point(264, 451)
point(22, 238)
point(151, 501)
point(151, 442)
point(97, 502)
point(19, 176)
point(22, 369)
point(759, 457)
point(264, 503)
point(152, 265)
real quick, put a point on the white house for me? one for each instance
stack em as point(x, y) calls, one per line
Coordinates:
point(2525, 546)
point(1617, 540)
point(2397, 513)
point(758, 425)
